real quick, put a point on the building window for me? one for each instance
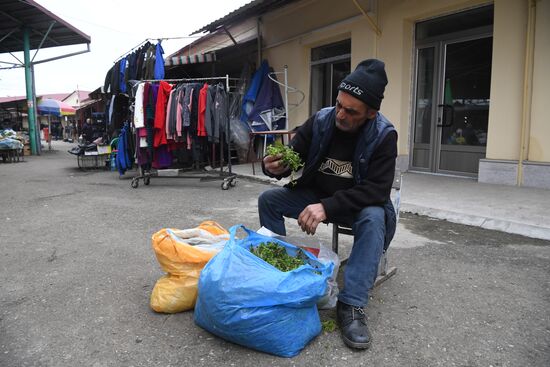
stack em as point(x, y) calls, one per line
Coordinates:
point(329, 65)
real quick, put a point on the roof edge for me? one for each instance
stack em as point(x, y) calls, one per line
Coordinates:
point(253, 8)
point(59, 20)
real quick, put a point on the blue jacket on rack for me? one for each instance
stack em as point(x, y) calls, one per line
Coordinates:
point(123, 159)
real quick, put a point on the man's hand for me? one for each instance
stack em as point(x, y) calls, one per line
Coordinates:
point(310, 217)
point(275, 165)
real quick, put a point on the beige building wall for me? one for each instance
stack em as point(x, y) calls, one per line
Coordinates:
point(290, 33)
point(397, 20)
point(505, 110)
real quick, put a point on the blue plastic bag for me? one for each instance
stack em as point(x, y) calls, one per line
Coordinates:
point(247, 301)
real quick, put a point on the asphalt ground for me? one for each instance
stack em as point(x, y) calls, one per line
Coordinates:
point(77, 271)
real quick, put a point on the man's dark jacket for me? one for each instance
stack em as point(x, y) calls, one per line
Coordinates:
point(312, 142)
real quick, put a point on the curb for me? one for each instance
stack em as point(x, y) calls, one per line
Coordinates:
point(496, 224)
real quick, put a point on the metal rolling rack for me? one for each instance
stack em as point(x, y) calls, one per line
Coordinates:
point(228, 178)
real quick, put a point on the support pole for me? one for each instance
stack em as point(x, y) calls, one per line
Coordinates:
point(37, 121)
point(286, 98)
point(29, 90)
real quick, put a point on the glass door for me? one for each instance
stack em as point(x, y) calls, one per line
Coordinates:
point(425, 112)
point(451, 109)
point(451, 96)
point(464, 106)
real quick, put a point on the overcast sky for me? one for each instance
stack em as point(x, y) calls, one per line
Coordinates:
point(115, 27)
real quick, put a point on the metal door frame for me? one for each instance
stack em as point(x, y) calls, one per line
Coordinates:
point(433, 117)
point(327, 61)
point(440, 44)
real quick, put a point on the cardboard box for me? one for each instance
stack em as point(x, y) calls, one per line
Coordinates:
point(104, 149)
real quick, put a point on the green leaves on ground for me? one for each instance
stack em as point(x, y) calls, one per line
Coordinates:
point(276, 255)
point(329, 325)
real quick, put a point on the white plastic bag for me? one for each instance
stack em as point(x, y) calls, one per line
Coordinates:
point(330, 298)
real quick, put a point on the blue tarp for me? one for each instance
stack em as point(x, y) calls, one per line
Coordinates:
point(9, 143)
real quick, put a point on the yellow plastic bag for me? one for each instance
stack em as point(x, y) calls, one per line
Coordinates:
point(182, 254)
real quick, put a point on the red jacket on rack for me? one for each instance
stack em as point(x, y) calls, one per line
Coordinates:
point(160, 114)
point(201, 128)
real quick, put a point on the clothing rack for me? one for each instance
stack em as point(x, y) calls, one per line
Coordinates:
point(149, 40)
point(133, 49)
point(288, 89)
point(229, 179)
point(226, 78)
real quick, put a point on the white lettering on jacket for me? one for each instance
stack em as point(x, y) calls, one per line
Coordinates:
point(348, 87)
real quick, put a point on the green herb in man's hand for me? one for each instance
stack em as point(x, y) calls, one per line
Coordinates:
point(290, 158)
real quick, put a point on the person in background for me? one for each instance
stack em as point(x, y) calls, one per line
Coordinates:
point(349, 152)
point(87, 131)
point(74, 130)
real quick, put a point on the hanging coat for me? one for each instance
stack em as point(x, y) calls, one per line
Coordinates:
point(123, 158)
point(269, 110)
point(159, 62)
point(201, 128)
point(250, 97)
point(160, 113)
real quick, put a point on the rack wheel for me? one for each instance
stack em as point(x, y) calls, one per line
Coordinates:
point(135, 183)
point(233, 182)
point(147, 181)
point(225, 185)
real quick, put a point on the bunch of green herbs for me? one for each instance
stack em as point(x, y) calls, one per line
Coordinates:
point(290, 158)
point(276, 255)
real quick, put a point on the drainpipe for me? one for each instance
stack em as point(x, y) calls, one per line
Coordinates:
point(259, 35)
point(527, 89)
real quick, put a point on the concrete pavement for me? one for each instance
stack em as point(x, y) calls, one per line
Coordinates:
point(77, 271)
point(511, 209)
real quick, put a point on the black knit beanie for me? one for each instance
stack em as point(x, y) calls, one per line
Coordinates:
point(367, 82)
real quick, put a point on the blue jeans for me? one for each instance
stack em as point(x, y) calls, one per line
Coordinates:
point(368, 226)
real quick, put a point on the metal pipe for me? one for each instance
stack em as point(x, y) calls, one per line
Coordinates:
point(369, 19)
point(286, 97)
point(37, 121)
point(63, 56)
point(527, 89)
point(11, 63)
point(29, 90)
point(9, 34)
point(43, 39)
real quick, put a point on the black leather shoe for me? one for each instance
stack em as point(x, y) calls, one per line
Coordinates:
point(353, 323)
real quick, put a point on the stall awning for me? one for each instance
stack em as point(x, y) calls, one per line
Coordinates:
point(87, 103)
point(206, 48)
point(190, 59)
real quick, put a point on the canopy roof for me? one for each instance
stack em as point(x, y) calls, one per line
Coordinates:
point(17, 14)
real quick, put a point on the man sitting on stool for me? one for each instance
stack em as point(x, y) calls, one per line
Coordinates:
point(349, 152)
